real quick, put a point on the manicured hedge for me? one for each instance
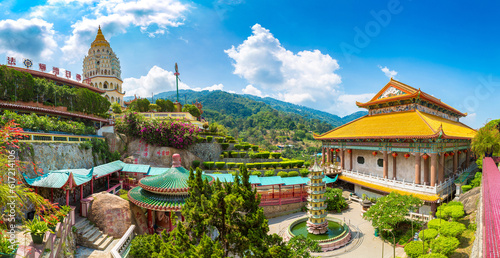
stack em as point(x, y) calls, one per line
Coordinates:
point(275, 155)
point(304, 172)
point(250, 165)
point(196, 163)
point(209, 138)
point(219, 139)
point(444, 245)
point(230, 138)
point(233, 154)
point(415, 248)
point(452, 229)
point(258, 165)
point(293, 173)
point(283, 174)
point(238, 165)
point(269, 173)
point(224, 145)
point(209, 164)
point(255, 147)
point(300, 163)
point(257, 173)
point(221, 156)
point(428, 234)
point(307, 164)
point(231, 165)
point(220, 165)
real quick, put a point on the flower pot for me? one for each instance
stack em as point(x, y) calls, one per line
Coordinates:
point(11, 255)
point(37, 239)
point(376, 232)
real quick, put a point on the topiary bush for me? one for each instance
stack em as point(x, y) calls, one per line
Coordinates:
point(233, 154)
point(195, 163)
point(433, 255)
point(258, 165)
point(220, 165)
point(234, 173)
point(304, 172)
point(209, 164)
point(283, 174)
point(238, 146)
point(444, 245)
point(269, 173)
point(466, 188)
point(250, 165)
point(257, 173)
point(221, 156)
point(200, 139)
point(454, 210)
point(238, 165)
point(415, 248)
point(230, 165)
point(224, 145)
point(264, 154)
point(436, 223)
point(452, 229)
point(230, 138)
point(428, 234)
point(307, 164)
point(284, 164)
point(275, 155)
point(219, 139)
point(255, 147)
point(275, 164)
point(210, 138)
point(293, 173)
point(242, 154)
point(300, 163)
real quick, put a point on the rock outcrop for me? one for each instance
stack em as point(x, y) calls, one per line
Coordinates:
point(111, 214)
point(470, 199)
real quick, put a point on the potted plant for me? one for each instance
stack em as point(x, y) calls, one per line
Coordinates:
point(52, 221)
point(8, 247)
point(37, 230)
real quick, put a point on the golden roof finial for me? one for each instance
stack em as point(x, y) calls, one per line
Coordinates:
point(99, 39)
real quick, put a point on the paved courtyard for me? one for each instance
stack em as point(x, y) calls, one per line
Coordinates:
point(364, 243)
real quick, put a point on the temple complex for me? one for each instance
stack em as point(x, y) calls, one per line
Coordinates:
point(102, 67)
point(409, 142)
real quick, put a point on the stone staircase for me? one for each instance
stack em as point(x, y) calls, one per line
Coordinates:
point(90, 236)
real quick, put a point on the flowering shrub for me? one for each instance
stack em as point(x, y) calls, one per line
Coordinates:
point(8, 243)
point(335, 201)
point(170, 133)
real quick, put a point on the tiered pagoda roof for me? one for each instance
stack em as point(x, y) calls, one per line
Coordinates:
point(164, 192)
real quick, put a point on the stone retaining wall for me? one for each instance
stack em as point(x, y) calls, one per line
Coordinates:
point(280, 210)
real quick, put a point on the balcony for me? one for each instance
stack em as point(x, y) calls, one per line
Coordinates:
point(309, 183)
point(440, 189)
point(309, 199)
point(320, 216)
point(309, 191)
point(312, 208)
point(316, 177)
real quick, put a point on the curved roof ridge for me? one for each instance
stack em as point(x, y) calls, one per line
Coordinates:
point(425, 121)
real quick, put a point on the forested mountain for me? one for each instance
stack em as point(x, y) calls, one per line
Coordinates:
point(264, 121)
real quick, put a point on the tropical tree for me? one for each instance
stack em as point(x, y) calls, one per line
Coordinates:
point(192, 109)
point(117, 109)
point(165, 105)
point(486, 142)
point(391, 210)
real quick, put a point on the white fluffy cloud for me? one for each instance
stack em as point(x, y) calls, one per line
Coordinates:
point(387, 72)
point(301, 78)
point(116, 16)
point(156, 81)
point(251, 90)
point(469, 119)
point(345, 104)
point(32, 38)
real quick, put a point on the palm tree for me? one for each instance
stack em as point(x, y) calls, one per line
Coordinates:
point(486, 141)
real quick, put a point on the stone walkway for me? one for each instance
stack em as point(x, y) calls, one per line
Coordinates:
point(364, 243)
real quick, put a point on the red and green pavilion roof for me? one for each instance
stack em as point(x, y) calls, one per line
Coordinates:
point(165, 192)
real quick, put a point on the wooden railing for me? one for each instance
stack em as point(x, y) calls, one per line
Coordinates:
point(287, 197)
point(115, 189)
point(56, 137)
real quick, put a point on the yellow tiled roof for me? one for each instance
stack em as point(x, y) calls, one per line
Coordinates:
point(423, 197)
point(409, 124)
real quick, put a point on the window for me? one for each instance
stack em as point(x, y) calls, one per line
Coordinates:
point(380, 163)
point(361, 160)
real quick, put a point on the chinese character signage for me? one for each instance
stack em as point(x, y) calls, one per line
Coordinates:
point(55, 70)
point(68, 74)
point(78, 77)
point(42, 67)
point(11, 60)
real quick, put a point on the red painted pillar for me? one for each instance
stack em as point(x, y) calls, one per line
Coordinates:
point(150, 221)
point(81, 197)
point(293, 190)
point(36, 190)
point(182, 218)
point(280, 194)
point(273, 191)
point(92, 185)
point(67, 197)
point(108, 181)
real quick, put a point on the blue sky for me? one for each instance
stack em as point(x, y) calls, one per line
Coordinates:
point(321, 54)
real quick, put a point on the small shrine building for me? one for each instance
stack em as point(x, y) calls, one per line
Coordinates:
point(410, 142)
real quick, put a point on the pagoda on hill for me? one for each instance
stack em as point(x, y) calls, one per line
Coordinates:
point(317, 223)
point(407, 132)
point(163, 194)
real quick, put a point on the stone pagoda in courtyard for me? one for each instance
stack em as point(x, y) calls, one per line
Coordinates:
point(317, 223)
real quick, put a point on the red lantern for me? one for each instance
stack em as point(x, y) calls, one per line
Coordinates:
point(452, 153)
point(407, 155)
point(425, 156)
point(465, 151)
point(337, 150)
point(459, 152)
point(349, 151)
point(394, 154)
point(446, 154)
point(374, 153)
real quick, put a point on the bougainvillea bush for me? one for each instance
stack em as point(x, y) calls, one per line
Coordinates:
point(171, 133)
